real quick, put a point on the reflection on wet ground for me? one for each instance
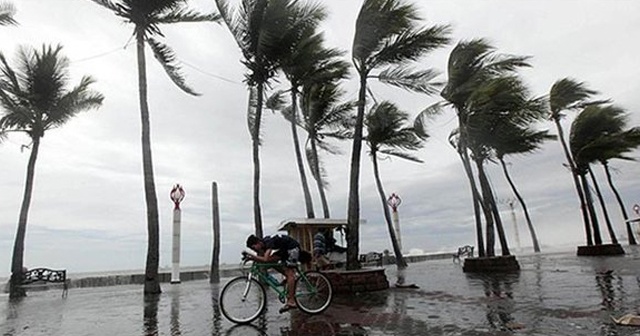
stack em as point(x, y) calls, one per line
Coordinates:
point(554, 294)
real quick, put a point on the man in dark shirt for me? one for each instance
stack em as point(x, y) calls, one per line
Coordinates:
point(282, 249)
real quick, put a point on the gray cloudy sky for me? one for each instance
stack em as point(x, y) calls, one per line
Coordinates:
point(88, 212)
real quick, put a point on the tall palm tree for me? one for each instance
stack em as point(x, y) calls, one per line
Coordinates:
point(570, 95)
point(265, 31)
point(309, 62)
point(520, 141)
point(387, 35)
point(387, 134)
point(146, 18)
point(471, 64)
point(597, 134)
point(35, 97)
point(324, 117)
point(7, 13)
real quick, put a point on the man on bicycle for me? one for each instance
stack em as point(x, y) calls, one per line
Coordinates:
point(283, 249)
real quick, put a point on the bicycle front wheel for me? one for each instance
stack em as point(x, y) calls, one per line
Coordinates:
point(242, 300)
point(313, 292)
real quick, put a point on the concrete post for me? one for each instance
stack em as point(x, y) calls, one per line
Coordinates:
point(177, 195)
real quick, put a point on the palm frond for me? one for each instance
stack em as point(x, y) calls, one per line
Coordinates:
point(411, 80)
point(184, 14)
point(165, 55)
point(400, 154)
point(7, 12)
point(569, 94)
point(425, 116)
point(411, 45)
point(277, 101)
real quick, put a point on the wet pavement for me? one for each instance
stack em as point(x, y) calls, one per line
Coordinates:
point(553, 294)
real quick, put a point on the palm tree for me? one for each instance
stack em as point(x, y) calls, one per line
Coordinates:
point(598, 134)
point(309, 62)
point(147, 17)
point(387, 134)
point(387, 35)
point(265, 31)
point(569, 95)
point(324, 117)
point(7, 12)
point(471, 64)
point(35, 98)
point(520, 141)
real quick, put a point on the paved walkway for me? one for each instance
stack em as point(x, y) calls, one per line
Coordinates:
point(554, 294)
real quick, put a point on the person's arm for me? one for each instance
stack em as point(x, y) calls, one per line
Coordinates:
point(268, 257)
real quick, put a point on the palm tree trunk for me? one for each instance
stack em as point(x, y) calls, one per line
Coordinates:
point(632, 239)
point(605, 213)
point(477, 204)
point(255, 142)
point(400, 262)
point(296, 146)
point(152, 281)
point(574, 175)
point(493, 220)
point(353, 210)
point(592, 211)
point(318, 177)
point(532, 231)
point(17, 261)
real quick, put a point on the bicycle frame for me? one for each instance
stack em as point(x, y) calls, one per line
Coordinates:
point(259, 272)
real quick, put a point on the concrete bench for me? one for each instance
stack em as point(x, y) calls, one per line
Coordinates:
point(42, 277)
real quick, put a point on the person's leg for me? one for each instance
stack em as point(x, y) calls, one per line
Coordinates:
point(291, 279)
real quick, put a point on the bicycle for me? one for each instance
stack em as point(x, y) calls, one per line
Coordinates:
point(244, 297)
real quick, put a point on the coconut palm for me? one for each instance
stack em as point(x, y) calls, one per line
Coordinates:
point(309, 62)
point(498, 107)
point(7, 12)
point(147, 17)
point(324, 117)
point(520, 141)
point(597, 134)
point(471, 64)
point(35, 97)
point(387, 35)
point(266, 32)
point(387, 134)
point(570, 95)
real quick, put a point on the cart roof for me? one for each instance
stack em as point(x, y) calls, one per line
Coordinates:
point(315, 222)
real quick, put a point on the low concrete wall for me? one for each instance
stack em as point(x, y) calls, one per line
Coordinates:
point(363, 280)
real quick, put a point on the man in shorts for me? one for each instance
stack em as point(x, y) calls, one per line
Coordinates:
point(283, 249)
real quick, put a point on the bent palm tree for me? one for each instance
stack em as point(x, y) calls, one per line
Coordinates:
point(598, 134)
point(147, 17)
point(569, 95)
point(324, 118)
point(265, 31)
point(35, 98)
point(520, 141)
point(387, 134)
point(471, 64)
point(387, 35)
point(309, 62)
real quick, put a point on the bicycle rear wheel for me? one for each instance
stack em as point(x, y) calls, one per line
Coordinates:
point(242, 300)
point(313, 292)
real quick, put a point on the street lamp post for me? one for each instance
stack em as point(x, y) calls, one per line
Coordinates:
point(177, 195)
point(394, 202)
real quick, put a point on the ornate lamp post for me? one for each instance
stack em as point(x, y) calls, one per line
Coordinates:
point(176, 195)
point(636, 209)
point(394, 202)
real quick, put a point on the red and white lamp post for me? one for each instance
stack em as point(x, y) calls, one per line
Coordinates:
point(177, 195)
point(394, 202)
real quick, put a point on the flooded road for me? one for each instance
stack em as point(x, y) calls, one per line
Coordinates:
point(553, 294)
